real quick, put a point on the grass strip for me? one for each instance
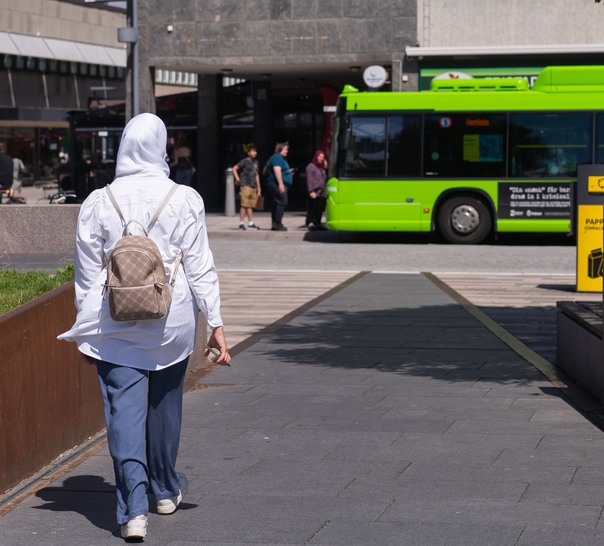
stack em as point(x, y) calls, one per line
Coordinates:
point(19, 287)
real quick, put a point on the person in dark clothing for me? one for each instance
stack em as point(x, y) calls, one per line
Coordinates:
point(6, 167)
point(182, 163)
point(278, 180)
point(316, 175)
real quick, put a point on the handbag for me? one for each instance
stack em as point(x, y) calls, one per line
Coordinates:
point(259, 203)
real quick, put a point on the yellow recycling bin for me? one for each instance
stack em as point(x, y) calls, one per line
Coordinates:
point(589, 228)
point(590, 253)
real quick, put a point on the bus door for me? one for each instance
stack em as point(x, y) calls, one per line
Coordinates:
point(381, 159)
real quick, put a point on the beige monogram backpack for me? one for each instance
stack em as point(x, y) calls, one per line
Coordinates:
point(137, 284)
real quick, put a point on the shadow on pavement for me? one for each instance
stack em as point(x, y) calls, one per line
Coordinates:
point(443, 342)
point(395, 237)
point(90, 496)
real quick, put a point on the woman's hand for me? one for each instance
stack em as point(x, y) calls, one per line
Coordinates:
point(217, 344)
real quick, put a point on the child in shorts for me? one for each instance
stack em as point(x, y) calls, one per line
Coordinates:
point(248, 179)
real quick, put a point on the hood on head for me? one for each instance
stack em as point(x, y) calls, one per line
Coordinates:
point(143, 148)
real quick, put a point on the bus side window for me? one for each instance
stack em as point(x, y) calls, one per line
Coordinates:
point(465, 145)
point(366, 152)
point(600, 138)
point(404, 146)
point(549, 144)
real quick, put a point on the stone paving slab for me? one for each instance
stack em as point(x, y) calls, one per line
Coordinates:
point(318, 435)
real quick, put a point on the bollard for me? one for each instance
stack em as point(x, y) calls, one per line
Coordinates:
point(229, 196)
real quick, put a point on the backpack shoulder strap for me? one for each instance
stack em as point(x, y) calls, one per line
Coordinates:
point(117, 208)
point(161, 206)
point(113, 200)
point(153, 218)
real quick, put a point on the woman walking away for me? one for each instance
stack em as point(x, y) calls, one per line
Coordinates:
point(141, 364)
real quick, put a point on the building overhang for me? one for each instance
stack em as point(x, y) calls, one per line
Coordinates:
point(268, 69)
point(504, 50)
point(25, 45)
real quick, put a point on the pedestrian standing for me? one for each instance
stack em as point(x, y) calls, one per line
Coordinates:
point(18, 172)
point(142, 364)
point(316, 176)
point(279, 179)
point(6, 168)
point(63, 157)
point(248, 179)
point(182, 162)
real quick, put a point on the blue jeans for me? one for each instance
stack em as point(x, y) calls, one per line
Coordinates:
point(143, 413)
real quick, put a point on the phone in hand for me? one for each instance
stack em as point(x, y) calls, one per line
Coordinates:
point(214, 351)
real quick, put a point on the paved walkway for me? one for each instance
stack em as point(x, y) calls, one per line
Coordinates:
point(387, 411)
point(219, 226)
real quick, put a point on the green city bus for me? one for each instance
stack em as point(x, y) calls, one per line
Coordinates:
point(469, 158)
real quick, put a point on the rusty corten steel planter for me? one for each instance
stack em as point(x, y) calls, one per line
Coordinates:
point(50, 400)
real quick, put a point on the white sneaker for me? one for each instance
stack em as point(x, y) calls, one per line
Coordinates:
point(135, 528)
point(169, 505)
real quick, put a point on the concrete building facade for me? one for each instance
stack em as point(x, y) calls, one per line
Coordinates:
point(268, 70)
point(55, 57)
point(311, 48)
point(480, 23)
point(292, 55)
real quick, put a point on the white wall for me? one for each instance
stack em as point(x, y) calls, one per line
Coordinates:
point(462, 23)
point(63, 20)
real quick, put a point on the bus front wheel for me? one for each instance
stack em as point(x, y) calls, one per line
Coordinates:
point(464, 220)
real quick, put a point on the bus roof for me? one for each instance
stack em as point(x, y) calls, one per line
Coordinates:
point(556, 88)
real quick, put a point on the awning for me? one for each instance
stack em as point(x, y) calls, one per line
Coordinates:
point(7, 45)
point(65, 51)
point(487, 51)
point(26, 45)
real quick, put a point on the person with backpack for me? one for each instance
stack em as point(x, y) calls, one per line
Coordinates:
point(142, 363)
point(279, 178)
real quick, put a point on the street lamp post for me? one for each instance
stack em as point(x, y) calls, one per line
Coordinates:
point(129, 35)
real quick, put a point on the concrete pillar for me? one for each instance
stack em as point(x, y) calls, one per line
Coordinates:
point(396, 76)
point(143, 72)
point(229, 193)
point(210, 179)
point(263, 137)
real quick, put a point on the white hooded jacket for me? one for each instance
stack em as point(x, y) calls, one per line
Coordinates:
point(140, 185)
